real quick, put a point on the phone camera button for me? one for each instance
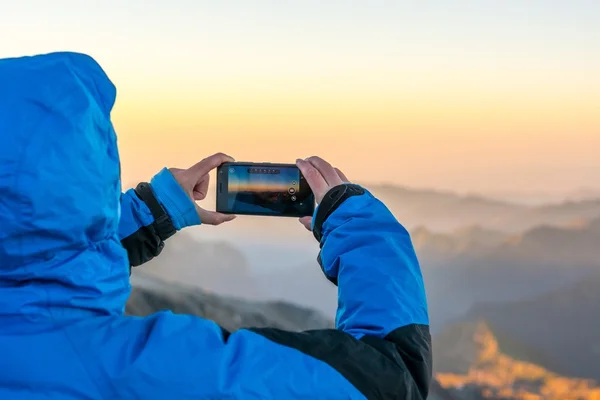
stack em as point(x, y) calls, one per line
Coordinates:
point(292, 190)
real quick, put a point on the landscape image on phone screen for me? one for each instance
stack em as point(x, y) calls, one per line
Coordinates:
point(267, 191)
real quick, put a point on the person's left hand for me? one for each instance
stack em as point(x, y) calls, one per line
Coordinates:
point(194, 182)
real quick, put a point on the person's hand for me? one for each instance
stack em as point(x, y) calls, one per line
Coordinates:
point(321, 177)
point(194, 182)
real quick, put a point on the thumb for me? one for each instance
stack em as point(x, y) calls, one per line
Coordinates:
point(213, 218)
point(307, 222)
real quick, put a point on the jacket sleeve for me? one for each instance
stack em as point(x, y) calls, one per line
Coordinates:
point(381, 293)
point(382, 343)
point(380, 349)
point(151, 213)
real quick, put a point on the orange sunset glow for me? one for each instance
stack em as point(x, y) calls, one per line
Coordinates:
point(454, 97)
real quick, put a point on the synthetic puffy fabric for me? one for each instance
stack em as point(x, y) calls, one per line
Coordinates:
point(64, 276)
point(141, 235)
point(60, 187)
point(148, 241)
point(168, 192)
point(363, 307)
point(135, 214)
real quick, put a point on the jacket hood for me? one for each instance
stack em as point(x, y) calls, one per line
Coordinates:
point(60, 255)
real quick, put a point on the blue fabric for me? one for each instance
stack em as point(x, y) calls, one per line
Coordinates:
point(175, 200)
point(60, 255)
point(380, 285)
point(135, 214)
point(64, 277)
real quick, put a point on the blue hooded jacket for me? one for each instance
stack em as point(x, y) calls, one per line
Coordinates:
point(68, 238)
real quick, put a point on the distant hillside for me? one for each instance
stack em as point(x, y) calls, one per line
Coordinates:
point(585, 193)
point(471, 241)
point(572, 245)
point(222, 267)
point(151, 294)
point(446, 211)
point(216, 266)
point(468, 355)
point(564, 325)
point(437, 392)
point(477, 265)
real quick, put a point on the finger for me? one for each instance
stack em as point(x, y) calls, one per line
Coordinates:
point(307, 222)
point(326, 170)
point(210, 163)
point(201, 189)
point(313, 178)
point(342, 176)
point(214, 218)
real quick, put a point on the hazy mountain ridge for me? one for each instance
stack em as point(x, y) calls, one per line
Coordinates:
point(447, 211)
point(471, 240)
point(563, 325)
point(468, 355)
point(150, 295)
point(573, 244)
point(479, 265)
point(215, 266)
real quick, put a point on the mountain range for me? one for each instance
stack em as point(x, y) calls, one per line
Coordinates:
point(474, 264)
point(150, 295)
point(562, 327)
point(572, 244)
point(447, 211)
point(468, 360)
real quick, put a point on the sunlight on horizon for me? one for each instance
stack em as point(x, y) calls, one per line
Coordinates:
point(459, 97)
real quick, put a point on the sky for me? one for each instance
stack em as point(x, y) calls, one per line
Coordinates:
point(471, 96)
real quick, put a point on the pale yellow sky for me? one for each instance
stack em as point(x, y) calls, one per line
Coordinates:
point(462, 97)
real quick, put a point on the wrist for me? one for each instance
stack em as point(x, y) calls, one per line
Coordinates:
point(332, 200)
point(176, 202)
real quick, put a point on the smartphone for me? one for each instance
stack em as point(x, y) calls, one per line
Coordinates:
point(278, 190)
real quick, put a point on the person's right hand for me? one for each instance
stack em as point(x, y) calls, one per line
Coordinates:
point(321, 177)
point(194, 181)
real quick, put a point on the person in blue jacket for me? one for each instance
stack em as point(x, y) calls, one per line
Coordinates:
point(69, 237)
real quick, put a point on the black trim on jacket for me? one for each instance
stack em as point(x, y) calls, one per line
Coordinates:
point(148, 241)
point(398, 366)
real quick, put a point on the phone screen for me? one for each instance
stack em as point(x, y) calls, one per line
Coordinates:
point(263, 189)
